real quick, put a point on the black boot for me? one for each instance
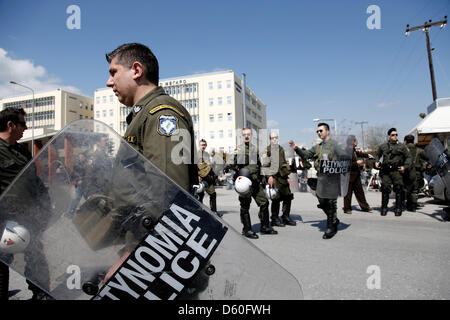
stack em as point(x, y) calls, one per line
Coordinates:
point(286, 214)
point(331, 227)
point(247, 230)
point(398, 204)
point(330, 210)
point(265, 225)
point(384, 202)
point(275, 208)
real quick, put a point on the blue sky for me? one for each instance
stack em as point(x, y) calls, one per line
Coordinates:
point(304, 59)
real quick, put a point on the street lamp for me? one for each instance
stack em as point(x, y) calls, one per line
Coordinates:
point(335, 127)
point(32, 116)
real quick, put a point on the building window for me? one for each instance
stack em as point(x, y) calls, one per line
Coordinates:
point(220, 134)
point(194, 119)
point(230, 116)
point(111, 112)
point(211, 118)
point(220, 117)
point(97, 114)
point(230, 133)
point(210, 85)
point(104, 113)
point(97, 100)
point(229, 100)
point(104, 99)
point(219, 84)
point(219, 101)
point(211, 134)
point(211, 102)
point(124, 126)
point(228, 84)
point(258, 106)
point(111, 98)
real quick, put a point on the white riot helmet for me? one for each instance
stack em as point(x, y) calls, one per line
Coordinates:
point(15, 238)
point(243, 186)
point(200, 187)
point(272, 193)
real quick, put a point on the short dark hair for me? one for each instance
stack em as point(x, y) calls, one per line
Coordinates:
point(10, 114)
point(324, 124)
point(130, 52)
point(409, 138)
point(391, 130)
point(203, 140)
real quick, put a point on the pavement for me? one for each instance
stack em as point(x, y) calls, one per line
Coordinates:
point(371, 257)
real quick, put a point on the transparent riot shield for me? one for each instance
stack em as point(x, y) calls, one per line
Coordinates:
point(91, 218)
point(333, 175)
point(439, 159)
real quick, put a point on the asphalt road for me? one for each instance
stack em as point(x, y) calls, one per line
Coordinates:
point(371, 257)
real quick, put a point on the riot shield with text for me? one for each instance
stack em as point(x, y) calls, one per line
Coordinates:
point(91, 218)
point(333, 175)
point(439, 159)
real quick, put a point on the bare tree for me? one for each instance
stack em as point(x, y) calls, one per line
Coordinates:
point(376, 135)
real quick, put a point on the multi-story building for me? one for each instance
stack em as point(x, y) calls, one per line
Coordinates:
point(53, 110)
point(214, 101)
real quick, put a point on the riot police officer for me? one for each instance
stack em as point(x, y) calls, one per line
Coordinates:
point(206, 174)
point(246, 157)
point(413, 176)
point(393, 159)
point(278, 169)
point(327, 152)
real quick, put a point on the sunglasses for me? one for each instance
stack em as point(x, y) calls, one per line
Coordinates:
point(394, 135)
point(273, 138)
point(318, 131)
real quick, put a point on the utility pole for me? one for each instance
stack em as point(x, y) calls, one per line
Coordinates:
point(425, 28)
point(362, 133)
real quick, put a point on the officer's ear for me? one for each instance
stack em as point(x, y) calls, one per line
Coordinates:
point(138, 70)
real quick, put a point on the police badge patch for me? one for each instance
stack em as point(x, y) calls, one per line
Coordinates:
point(167, 125)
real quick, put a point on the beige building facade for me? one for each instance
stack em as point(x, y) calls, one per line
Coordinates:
point(53, 110)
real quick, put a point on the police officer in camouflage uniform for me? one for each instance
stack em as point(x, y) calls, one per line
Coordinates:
point(413, 175)
point(329, 149)
point(393, 159)
point(278, 170)
point(156, 124)
point(13, 158)
point(206, 174)
point(246, 156)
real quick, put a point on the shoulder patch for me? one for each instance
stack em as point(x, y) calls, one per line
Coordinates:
point(167, 125)
point(165, 106)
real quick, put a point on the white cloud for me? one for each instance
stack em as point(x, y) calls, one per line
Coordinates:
point(26, 73)
point(272, 124)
